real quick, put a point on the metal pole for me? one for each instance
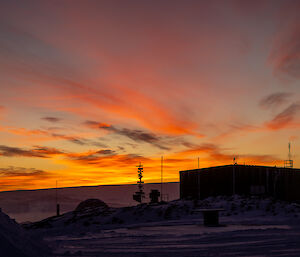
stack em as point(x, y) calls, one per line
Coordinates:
point(56, 192)
point(161, 179)
point(56, 200)
point(233, 179)
point(199, 185)
point(198, 162)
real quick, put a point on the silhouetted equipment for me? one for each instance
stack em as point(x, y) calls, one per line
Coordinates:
point(289, 163)
point(234, 160)
point(210, 217)
point(281, 183)
point(139, 195)
point(154, 195)
point(57, 210)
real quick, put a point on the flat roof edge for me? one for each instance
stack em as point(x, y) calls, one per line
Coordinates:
point(240, 165)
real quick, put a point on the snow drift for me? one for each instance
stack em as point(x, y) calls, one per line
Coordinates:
point(15, 242)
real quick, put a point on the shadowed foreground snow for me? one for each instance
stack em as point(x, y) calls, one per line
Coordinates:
point(183, 239)
point(250, 227)
point(16, 242)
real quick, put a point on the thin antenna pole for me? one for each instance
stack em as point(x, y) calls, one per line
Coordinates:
point(56, 200)
point(289, 163)
point(233, 176)
point(56, 193)
point(161, 179)
point(198, 162)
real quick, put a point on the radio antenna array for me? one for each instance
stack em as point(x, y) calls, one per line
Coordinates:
point(289, 163)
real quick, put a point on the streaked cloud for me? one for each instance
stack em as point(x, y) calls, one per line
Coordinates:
point(38, 151)
point(274, 100)
point(21, 172)
point(285, 118)
point(96, 125)
point(136, 135)
point(105, 158)
point(51, 119)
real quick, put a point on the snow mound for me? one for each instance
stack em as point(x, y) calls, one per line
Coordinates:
point(91, 204)
point(83, 216)
point(15, 242)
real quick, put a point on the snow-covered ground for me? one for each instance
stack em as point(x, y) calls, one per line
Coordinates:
point(250, 226)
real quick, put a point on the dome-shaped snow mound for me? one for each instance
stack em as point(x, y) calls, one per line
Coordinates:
point(90, 204)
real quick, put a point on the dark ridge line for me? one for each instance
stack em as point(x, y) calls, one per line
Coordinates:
point(51, 188)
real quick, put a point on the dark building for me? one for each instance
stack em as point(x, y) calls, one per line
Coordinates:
point(282, 183)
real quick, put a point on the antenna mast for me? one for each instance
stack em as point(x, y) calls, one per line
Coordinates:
point(139, 195)
point(289, 163)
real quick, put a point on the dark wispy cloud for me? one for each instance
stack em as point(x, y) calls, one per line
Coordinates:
point(274, 100)
point(106, 152)
point(136, 135)
point(78, 140)
point(72, 139)
point(105, 158)
point(38, 151)
point(284, 118)
point(91, 156)
point(96, 125)
point(140, 136)
point(51, 119)
point(12, 171)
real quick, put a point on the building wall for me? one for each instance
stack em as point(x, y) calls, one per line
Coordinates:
point(282, 183)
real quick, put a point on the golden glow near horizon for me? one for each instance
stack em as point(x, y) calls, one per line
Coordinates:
point(90, 89)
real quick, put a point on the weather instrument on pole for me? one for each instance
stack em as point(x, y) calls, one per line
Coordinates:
point(139, 195)
point(289, 163)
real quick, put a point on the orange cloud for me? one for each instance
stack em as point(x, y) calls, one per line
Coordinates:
point(211, 154)
point(285, 119)
point(18, 178)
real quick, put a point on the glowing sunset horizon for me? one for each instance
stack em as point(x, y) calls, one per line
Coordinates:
point(91, 88)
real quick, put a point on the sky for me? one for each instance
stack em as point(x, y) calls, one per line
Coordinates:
point(89, 89)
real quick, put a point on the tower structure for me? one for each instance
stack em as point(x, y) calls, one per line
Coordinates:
point(139, 195)
point(289, 163)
